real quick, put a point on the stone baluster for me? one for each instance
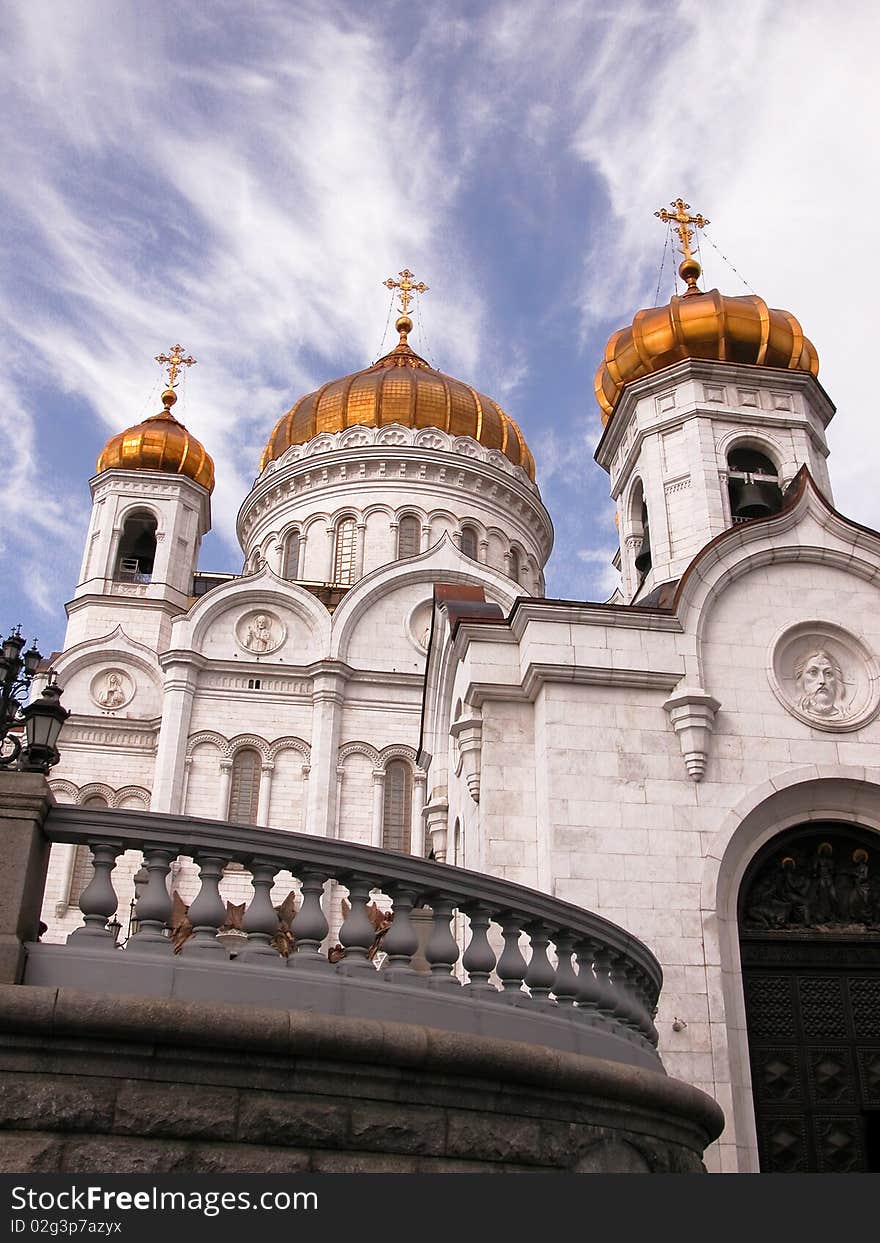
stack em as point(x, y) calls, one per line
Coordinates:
point(98, 900)
point(606, 1000)
point(512, 965)
point(624, 1010)
point(442, 949)
point(310, 925)
point(541, 974)
point(648, 994)
point(638, 1018)
point(479, 957)
point(565, 985)
point(357, 932)
point(588, 991)
point(401, 940)
point(261, 920)
point(208, 911)
point(153, 907)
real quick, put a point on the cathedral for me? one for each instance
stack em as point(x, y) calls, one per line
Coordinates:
point(694, 759)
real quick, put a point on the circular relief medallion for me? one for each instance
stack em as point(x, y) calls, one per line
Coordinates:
point(260, 632)
point(112, 689)
point(419, 624)
point(825, 676)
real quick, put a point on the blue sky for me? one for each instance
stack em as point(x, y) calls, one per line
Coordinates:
point(242, 177)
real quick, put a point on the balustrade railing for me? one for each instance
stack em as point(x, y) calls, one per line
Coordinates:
point(542, 969)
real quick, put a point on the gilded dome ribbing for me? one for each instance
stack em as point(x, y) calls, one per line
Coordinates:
point(400, 388)
point(159, 443)
point(702, 325)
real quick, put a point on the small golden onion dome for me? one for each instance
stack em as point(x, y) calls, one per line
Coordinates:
point(400, 388)
point(159, 443)
point(702, 325)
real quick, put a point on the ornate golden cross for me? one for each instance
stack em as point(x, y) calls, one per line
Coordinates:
point(683, 219)
point(174, 361)
point(407, 288)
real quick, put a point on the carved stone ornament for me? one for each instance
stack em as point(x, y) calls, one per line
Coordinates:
point(419, 624)
point(260, 632)
point(692, 714)
point(112, 689)
point(824, 676)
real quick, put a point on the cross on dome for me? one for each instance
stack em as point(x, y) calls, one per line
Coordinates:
point(689, 269)
point(174, 361)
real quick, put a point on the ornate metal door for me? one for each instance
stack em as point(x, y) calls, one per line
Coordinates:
point(810, 943)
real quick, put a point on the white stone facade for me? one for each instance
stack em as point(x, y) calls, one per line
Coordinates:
point(630, 760)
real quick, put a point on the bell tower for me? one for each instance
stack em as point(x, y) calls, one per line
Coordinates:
point(151, 509)
point(710, 406)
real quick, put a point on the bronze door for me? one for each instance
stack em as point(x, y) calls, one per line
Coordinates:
point(810, 943)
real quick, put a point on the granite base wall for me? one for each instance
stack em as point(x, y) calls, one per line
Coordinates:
point(94, 1083)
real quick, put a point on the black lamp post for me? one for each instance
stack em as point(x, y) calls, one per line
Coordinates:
point(42, 720)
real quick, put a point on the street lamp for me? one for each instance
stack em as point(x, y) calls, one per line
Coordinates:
point(42, 720)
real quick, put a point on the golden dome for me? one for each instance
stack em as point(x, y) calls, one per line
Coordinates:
point(400, 388)
point(159, 443)
point(702, 325)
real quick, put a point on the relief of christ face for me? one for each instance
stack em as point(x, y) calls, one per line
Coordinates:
point(821, 682)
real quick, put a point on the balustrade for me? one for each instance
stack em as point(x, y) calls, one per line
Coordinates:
point(612, 989)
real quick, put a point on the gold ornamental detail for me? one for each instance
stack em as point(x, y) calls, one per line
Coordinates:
point(407, 286)
point(689, 269)
point(174, 361)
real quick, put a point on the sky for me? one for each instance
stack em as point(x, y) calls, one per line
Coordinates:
point(242, 177)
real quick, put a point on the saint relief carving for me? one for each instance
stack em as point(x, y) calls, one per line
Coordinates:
point(821, 682)
point(111, 690)
point(825, 886)
point(260, 633)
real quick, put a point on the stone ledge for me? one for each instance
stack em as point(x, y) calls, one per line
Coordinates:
point(138, 1029)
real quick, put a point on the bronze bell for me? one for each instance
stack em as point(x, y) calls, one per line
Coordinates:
point(750, 501)
point(643, 560)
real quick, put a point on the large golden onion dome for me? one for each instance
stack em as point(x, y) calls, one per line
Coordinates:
point(400, 388)
point(159, 443)
point(701, 325)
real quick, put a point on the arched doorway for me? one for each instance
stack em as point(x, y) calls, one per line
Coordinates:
point(809, 930)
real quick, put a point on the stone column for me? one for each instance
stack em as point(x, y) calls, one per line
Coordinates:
point(436, 816)
point(265, 795)
point(360, 542)
point(378, 805)
point(177, 702)
point(25, 799)
point(327, 696)
point(417, 841)
point(223, 789)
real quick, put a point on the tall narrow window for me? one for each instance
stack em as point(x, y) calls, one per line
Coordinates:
point(469, 542)
point(290, 567)
point(515, 569)
point(397, 813)
point(344, 553)
point(137, 549)
point(244, 794)
point(408, 533)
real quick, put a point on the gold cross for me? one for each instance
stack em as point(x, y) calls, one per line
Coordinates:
point(407, 288)
point(174, 361)
point(682, 219)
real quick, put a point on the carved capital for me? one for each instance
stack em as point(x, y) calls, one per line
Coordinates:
point(692, 714)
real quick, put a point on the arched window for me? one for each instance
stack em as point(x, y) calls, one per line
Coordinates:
point(244, 792)
point(753, 485)
point(290, 562)
point(638, 519)
point(137, 549)
point(469, 542)
point(515, 567)
point(397, 812)
point(344, 553)
point(408, 536)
